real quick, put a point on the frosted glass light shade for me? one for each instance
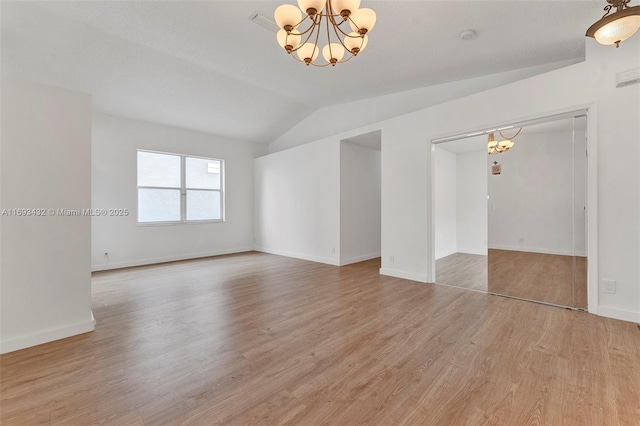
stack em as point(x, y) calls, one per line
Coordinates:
point(333, 51)
point(287, 15)
point(362, 20)
point(340, 5)
point(305, 5)
point(505, 145)
point(308, 51)
point(618, 30)
point(285, 39)
point(356, 42)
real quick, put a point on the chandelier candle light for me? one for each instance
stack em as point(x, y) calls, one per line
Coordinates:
point(618, 26)
point(340, 23)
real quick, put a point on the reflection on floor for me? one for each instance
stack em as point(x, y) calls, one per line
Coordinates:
point(535, 276)
point(463, 270)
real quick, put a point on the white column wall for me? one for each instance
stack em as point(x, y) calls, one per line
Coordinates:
point(45, 269)
point(445, 175)
point(297, 202)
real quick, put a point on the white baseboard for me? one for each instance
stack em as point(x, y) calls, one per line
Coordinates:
point(449, 253)
point(631, 316)
point(536, 250)
point(404, 275)
point(151, 261)
point(356, 259)
point(480, 252)
point(47, 336)
point(327, 260)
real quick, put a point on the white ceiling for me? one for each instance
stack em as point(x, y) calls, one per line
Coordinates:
point(204, 65)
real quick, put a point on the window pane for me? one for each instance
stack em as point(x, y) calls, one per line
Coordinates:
point(202, 173)
point(158, 205)
point(158, 169)
point(203, 205)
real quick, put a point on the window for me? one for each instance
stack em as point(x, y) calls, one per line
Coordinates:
point(176, 188)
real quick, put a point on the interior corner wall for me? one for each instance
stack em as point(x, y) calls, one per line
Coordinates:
point(46, 165)
point(471, 213)
point(297, 202)
point(360, 203)
point(114, 186)
point(445, 175)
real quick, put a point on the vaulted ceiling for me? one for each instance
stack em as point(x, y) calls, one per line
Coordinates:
point(204, 65)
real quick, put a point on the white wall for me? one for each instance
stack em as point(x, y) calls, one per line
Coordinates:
point(45, 264)
point(471, 214)
point(531, 203)
point(373, 110)
point(359, 203)
point(115, 141)
point(297, 202)
point(445, 175)
point(406, 162)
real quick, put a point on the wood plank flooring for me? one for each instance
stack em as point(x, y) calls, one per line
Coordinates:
point(261, 339)
point(535, 276)
point(538, 276)
point(463, 270)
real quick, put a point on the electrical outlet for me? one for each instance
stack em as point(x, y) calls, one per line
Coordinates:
point(333, 250)
point(608, 286)
point(392, 258)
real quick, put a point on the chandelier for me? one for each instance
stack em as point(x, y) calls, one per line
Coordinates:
point(618, 26)
point(498, 147)
point(338, 23)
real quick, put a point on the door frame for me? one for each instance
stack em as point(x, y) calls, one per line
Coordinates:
point(591, 112)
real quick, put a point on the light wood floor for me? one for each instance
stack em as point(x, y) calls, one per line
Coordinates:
point(542, 277)
point(262, 339)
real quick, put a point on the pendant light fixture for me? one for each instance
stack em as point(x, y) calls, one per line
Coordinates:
point(340, 25)
point(618, 26)
point(504, 145)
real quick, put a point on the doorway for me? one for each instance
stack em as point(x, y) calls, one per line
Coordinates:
point(514, 223)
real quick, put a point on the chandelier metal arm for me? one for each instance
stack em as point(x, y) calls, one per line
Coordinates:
point(512, 137)
point(317, 38)
point(311, 63)
point(337, 24)
point(335, 30)
point(309, 31)
point(618, 4)
point(345, 60)
point(354, 24)
point(329, 38)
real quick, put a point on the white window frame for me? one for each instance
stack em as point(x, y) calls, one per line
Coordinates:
point(183, 191)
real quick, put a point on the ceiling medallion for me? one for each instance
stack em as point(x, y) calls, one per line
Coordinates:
point(338, 23)
point(618, 26)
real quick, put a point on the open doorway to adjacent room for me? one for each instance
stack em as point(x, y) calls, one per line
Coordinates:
point(514, 223)
point(360, 198)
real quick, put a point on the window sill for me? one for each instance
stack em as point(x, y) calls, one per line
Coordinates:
point(190, 222)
